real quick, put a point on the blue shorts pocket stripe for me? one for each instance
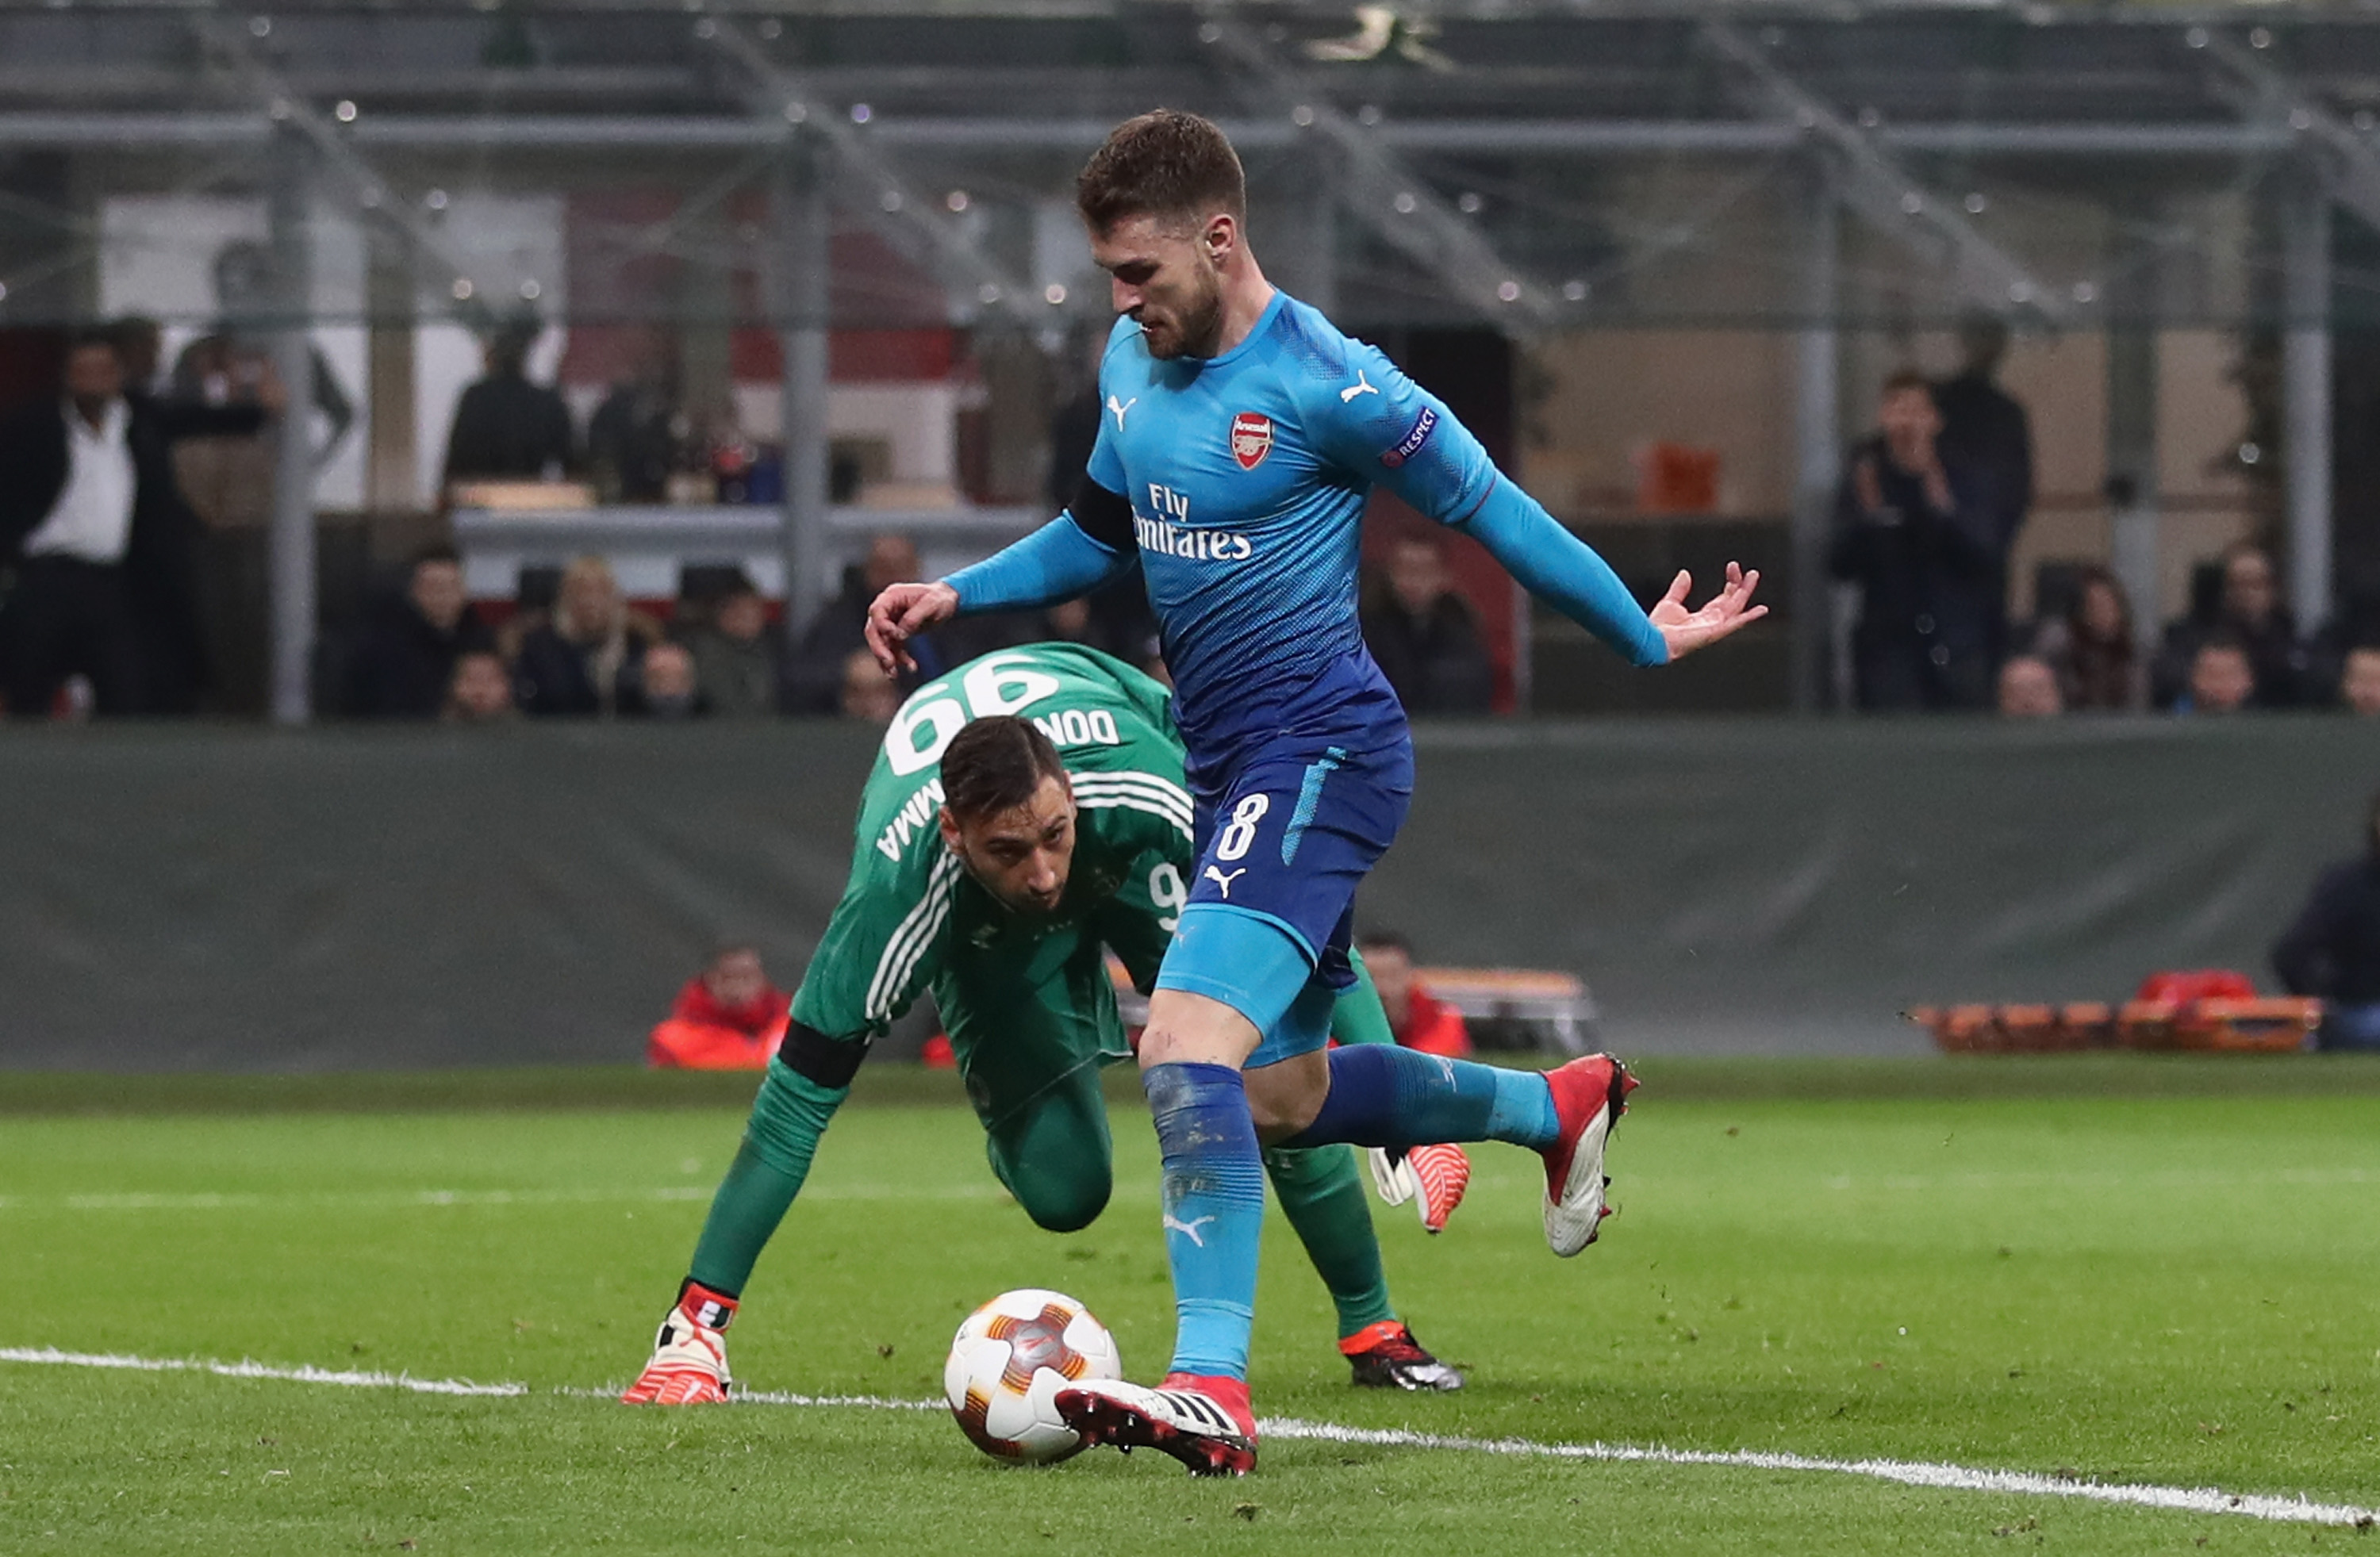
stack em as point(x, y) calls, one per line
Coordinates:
point(1309, 800)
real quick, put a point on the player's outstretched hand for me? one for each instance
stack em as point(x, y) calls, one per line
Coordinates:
point(1731, 607)
point(902, 612)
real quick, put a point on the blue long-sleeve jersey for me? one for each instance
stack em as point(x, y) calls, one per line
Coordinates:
point(1241, 481)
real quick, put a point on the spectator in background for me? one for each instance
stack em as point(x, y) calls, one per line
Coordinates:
point(2028, 689)
point(2359, 682)
point(226, 366)
point(141, 347)
point(583, 663)
point(1100, 620)
point(2332, 952)
point(634, 437)
point(403, 668)
point(1119, 619)
point(1986, 435)
point(667, 687)
point(729, 1017)
point(481, 691)
point(815, 681)
point(1422, 632)
point(2249, 613)
point(738, 657)
point(2092, 649)
point(2222, 679)
point(230, 479)
point(867, 691)
point(1911, 531)
point(507, 429)
point(174, 650)
point(1418, 1021)
point(99, 539)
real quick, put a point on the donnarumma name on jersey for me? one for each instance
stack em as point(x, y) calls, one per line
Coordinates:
point(1064, 727)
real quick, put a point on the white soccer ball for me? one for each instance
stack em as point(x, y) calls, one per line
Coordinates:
point(1008, 1362)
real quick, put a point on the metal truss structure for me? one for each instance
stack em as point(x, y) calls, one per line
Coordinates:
point(1519, 163)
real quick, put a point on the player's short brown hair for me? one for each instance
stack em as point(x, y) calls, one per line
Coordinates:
point(995, 764)
point(1903, 380)
point(1165, 164)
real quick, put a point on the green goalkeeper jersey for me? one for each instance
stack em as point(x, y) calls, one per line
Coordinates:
point(909, 914)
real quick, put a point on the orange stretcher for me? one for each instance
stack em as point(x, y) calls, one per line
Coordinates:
point(2208, 1024)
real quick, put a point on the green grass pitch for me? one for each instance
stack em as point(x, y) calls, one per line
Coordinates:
point(2152, 1273)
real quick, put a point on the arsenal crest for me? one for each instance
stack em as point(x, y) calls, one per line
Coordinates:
point(1251, 439)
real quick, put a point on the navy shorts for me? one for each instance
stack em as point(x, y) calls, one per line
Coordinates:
point(1284, 843)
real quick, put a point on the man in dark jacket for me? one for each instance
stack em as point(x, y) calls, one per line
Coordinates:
point(97, 541)
point(814, 679)
point(1422, 632)
point(506, 428)
point(406, 663)
point(1987, 434)
point(172, 641)
point(2333, 950)
point(2247, 609)
point(1912, 532)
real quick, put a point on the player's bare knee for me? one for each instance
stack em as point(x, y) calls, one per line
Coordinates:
point(1279, 1107)
point(1157, 1046)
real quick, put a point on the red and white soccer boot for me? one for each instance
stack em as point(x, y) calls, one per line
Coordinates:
point(1589, 1096)
point(1386, 1356)
point(689, 1363)
point(1431, 1177)
point(1203, 1420)
point(1442, 1173)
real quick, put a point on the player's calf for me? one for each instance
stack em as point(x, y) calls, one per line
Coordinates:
point(689, 1360)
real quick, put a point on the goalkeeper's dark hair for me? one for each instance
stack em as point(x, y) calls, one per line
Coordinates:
point(995, 764)
point(1172, 166)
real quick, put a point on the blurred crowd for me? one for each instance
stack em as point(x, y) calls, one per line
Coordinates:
point(717, 651)
point(135, 513)
point(1926, 520)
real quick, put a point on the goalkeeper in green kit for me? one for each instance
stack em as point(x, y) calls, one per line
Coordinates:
point(1026, 816)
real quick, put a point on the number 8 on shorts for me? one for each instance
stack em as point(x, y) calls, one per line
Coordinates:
point(1241, 831)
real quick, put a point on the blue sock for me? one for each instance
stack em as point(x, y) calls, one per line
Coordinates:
point(1386, 1096)
point(1214, 1212)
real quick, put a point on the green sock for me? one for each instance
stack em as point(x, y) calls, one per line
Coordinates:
point(779, 1140)
point(1356, 1017)
point(1322, 1190)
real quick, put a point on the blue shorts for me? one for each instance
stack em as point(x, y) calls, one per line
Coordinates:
point(1282, 845)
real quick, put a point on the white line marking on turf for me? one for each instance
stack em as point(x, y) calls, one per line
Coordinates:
point(1908, 1473)
point(1911, 1473)
point(349, 1378)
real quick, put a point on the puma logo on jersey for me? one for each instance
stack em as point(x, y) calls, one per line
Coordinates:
point(1361, 386)
point(1119, 407)
point(1188, 1229)
point(1224, 882)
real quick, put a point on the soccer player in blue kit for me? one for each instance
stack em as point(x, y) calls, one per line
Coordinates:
point(1240, 438)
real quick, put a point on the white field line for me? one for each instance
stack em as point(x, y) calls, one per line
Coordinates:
point(1908, 1473)
point(350, 1379)
point(1911, 1473)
